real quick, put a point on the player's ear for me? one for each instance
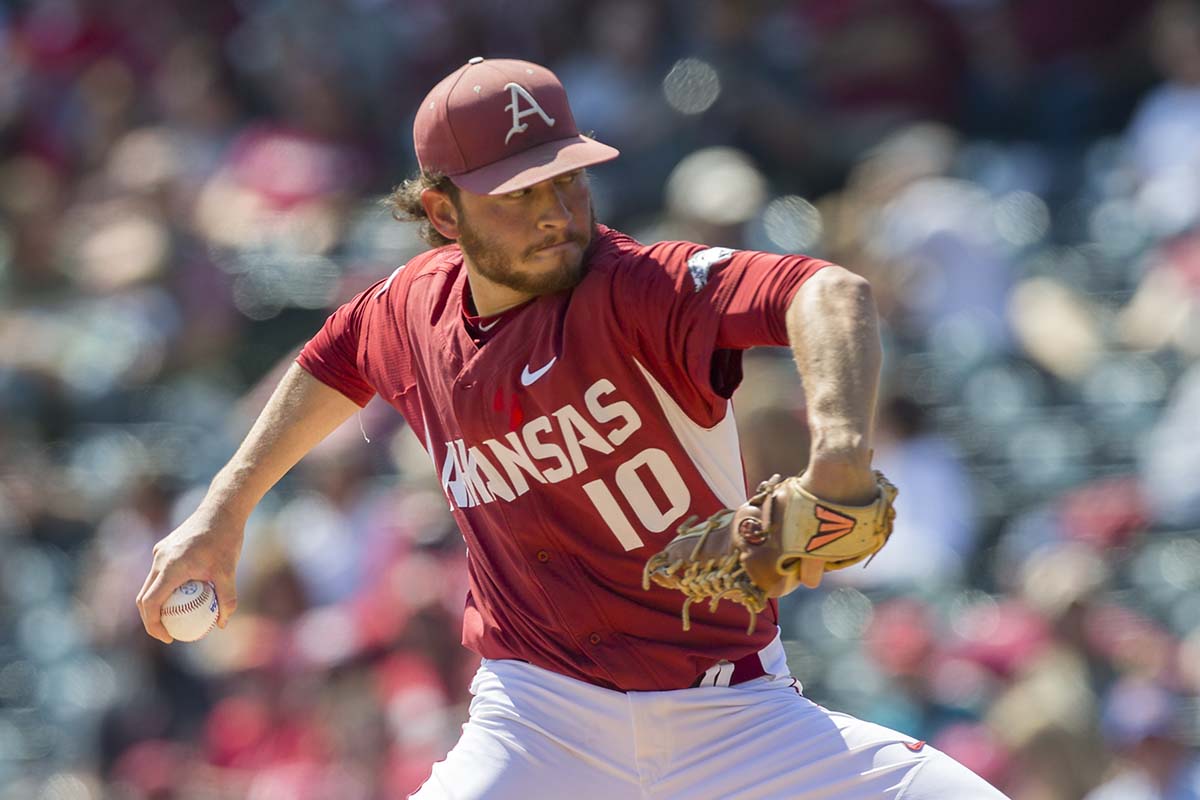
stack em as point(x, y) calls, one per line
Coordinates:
point(441, 211)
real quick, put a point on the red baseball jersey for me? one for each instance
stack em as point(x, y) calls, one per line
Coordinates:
point(572, 444)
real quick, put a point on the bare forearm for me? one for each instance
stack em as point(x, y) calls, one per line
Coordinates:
point(834, 332)
point(301, 412)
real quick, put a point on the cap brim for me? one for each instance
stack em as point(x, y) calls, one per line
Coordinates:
point(535, 165)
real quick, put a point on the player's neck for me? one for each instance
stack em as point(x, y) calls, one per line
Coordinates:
point(490, 298)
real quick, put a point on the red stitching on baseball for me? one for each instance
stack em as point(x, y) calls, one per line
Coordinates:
point(190, 605)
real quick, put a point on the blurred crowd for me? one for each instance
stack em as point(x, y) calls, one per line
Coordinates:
point(187, 189)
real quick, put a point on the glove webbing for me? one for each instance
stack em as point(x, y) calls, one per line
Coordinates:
point(716, 578)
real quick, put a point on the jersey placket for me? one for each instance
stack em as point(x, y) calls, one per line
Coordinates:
point(502, 368)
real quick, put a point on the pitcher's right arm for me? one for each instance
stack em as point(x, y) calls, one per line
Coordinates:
point(301, 412)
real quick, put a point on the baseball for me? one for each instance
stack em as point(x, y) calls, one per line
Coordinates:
point(191, 611)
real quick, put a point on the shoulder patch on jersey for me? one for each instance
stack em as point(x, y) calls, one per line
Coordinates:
point(700, 263)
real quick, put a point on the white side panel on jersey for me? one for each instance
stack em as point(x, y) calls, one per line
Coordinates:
point(715, 451)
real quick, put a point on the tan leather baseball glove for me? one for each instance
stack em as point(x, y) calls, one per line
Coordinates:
point(781, 537)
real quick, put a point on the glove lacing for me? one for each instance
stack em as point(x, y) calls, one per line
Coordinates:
point(714, 578)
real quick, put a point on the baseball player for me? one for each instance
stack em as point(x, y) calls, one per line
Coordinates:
point(572, 388)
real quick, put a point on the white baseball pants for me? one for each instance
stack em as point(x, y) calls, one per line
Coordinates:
point(538, 734)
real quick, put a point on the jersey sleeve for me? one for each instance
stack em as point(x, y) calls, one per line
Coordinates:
point(333, 355)
point(761, 287)
point(696, 308)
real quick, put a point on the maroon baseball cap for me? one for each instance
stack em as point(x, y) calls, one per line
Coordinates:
point(498, 125)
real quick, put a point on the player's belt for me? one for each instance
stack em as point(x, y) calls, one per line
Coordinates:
point(746, 668)
point(731, 673)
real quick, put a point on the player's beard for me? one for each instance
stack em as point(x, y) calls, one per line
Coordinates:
point(497, 265)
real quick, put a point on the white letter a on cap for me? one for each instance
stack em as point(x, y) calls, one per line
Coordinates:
point(518, 115)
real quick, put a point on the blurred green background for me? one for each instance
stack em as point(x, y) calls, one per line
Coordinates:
point(188, 189)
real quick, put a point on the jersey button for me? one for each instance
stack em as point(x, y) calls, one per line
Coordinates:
point(594, 638)
point(543, 556)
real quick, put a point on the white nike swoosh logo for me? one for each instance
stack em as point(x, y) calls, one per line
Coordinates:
point(528, 377)
point(490, 325)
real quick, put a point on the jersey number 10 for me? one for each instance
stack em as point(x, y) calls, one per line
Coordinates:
point(633, 488)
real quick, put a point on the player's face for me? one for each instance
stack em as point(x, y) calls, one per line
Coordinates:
point(531, 241)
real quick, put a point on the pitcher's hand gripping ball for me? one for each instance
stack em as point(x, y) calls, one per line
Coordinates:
point(191, 611)
point(770, 545)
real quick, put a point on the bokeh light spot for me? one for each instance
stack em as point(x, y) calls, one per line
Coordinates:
point(792, 223)
point(692, 86)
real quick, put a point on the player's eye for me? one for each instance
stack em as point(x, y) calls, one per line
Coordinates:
point(517, 195)
point(569, 177)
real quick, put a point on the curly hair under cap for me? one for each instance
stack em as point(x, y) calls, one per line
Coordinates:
point(405, 203)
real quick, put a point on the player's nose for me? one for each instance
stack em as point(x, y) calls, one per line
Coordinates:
point(555, 207)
